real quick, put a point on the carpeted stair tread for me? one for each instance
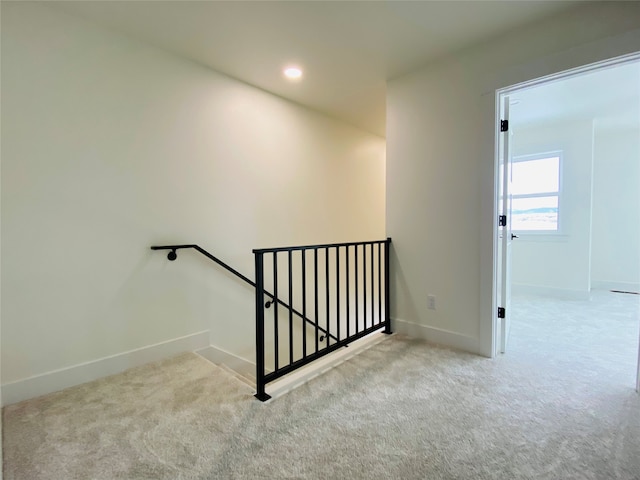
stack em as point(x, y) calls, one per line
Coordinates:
point(239, 376)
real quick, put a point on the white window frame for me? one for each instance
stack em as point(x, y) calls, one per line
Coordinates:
point(542, 156)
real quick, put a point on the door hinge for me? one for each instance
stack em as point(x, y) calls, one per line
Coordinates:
point(502, 221)
point(502, 313)
point(504, 125)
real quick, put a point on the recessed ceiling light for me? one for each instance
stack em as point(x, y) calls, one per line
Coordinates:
point(293, 73)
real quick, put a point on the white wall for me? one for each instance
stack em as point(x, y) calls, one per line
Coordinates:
point(616, 210)
point(559, 263)
point(598, 247)
point(441, 171)
point(110, 146)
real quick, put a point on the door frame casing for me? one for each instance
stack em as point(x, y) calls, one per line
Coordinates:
point(505, 92)
point(503, 259)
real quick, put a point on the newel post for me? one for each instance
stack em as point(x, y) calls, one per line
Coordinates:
point(387, 280)
point(260, 384)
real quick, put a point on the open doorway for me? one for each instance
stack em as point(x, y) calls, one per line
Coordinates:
point(570, 169)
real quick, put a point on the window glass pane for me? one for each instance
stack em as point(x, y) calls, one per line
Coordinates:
point(535, 176)
point(537, 213)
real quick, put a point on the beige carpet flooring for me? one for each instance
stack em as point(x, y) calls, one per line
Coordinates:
point(401, 410)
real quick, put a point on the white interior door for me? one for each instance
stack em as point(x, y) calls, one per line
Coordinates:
point(505, 233)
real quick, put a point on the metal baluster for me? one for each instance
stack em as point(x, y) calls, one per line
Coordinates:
point(348, 281)
point(355, 270)
point(387, 306)
point(364, 285)
point(326, 287)
point(290, 307)
point(338, 293)
point(315, 273)
point(304, 302)
point(379, 284)
point(372, 288)
point(275, 311)
point(260, 383)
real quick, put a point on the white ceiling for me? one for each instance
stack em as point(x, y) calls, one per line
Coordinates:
point(348, 49)
point(610, 96)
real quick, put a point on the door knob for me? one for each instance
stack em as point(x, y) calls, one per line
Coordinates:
point(514, 236)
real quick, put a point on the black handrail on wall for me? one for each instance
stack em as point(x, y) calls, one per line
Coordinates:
point(352, 309)
point(172, 255)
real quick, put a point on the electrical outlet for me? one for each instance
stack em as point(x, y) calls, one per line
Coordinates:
point(431, 302)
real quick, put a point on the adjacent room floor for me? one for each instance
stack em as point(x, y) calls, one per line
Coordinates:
point(596, 337)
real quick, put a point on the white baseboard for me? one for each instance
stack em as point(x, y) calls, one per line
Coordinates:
point(85, 372)
point(301, 376)
point(623, 286)
point(564, 293)
point(220, 356)
point(437, 335)
point(296, 378)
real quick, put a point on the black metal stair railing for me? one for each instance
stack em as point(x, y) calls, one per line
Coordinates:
point(172, 255)
point(344, 287)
